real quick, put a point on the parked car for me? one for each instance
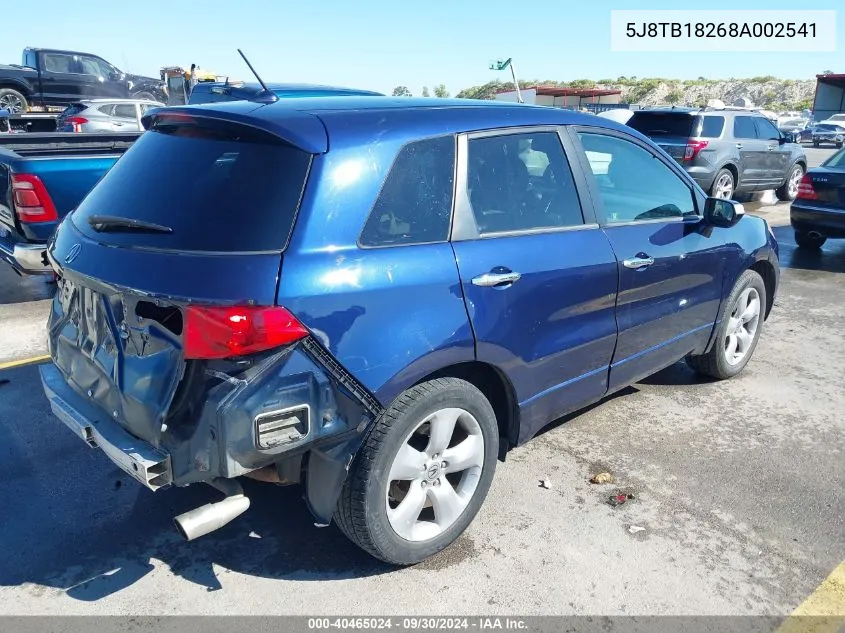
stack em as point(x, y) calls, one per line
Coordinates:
point(42, 178)
point(50, 77)
point(818, 213)
point(105, 115)
point(265, 291)
point(726, 151)
point(796, 130)
point(828, 133)
point(836, 119)
point(215, 92)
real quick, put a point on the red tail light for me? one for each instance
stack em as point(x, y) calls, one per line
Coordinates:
point(693, 148)
point(806, 191)
point(77, 122)
point(31, 201)
point(235, 331)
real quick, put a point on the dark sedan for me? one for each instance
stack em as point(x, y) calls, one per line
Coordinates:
point(818, 213)
point(828, 133)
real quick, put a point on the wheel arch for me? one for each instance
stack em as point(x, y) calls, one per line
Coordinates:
point(18, 86)
point(498, 390)
point(766, 270)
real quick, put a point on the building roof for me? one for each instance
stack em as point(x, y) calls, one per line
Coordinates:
point(554, 91)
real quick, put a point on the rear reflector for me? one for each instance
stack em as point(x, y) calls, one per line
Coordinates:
point(806, 191)
point(223, 332)
point(31, 201)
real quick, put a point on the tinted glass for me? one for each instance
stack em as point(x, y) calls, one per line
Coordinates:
point(57, 63)
point(415, 202)
point(521, 182)
point(222, 189)
point(837, 160)
point(107, 109)
point(94, 66)
point(712, 126)
point(765, 129)
point(744, 127)
point(633, 183)
point(663, 123)
point(125, 111)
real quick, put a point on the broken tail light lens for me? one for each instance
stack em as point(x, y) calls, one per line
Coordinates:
point(806, 191)
point(693, 148)
point(31, 201)
point(224, 332)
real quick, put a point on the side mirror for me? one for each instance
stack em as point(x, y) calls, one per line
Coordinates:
point(783, 139)
point(721, 212)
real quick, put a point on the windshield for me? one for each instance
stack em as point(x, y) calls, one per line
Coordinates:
point(217, 188)
point(836, 161)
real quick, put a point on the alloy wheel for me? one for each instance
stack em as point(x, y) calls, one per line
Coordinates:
point(742, 326)
point(11, 103)
point(434, 474)
point(794, 181)
point(724, 186)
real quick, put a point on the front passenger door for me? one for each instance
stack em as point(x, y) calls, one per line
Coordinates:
point(670, 264)
point(777, 156)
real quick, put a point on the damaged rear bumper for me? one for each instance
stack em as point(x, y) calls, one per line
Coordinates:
point(296, 410)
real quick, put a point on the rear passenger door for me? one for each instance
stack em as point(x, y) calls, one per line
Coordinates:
point(125, 117)
point(538, 275)
point(752, 152)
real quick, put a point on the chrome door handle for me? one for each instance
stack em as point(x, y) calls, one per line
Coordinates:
point(496, 279)
point(638, 262)
point(739, 145)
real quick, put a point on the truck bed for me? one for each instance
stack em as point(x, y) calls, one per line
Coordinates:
point(67, 143)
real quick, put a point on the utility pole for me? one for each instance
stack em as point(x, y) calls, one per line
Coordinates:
point(508, 63)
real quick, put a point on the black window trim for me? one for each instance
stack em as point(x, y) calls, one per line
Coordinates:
point(464, 226)
point(363, 246)
point(697, 194)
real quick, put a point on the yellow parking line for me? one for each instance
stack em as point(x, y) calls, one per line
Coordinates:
point(24, 361)
point(824, 610)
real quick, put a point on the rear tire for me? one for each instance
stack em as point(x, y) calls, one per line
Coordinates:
point(809, 242)
point(385, 474)
point(738, 331)
point(13, 101)
point(789, 189)
point(724, 184)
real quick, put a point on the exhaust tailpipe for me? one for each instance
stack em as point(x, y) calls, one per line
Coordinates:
point(213, 516)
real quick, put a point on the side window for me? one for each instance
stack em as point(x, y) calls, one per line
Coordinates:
point(107, 109)
point(58, 63)
point(415, 202)
point(521, 182)
point(765, 130)
point(633, 183)
point(712, 126)
point(125, 111)
point(744, 127)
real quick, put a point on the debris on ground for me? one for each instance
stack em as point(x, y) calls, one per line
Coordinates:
point(635, 529)
point(545, 483)
point(619, 499)
point(602, 478)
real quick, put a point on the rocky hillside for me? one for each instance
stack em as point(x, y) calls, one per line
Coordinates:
point(768, 92)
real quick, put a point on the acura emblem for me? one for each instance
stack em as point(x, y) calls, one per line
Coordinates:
point(74, 251)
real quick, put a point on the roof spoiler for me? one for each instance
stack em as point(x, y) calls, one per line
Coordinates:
point(300, 129)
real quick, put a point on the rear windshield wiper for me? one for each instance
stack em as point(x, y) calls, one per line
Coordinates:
point(115, 222)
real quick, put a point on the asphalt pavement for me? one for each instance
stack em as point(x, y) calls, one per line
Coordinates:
point(737, 501)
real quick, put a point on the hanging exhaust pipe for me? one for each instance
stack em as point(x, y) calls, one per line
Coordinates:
point(213, 516)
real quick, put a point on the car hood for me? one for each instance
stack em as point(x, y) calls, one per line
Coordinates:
point(140, 79)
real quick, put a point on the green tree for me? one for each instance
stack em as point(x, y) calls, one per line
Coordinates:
point(402, 91)
point(425, 92)
point(674, 96)
point(440, 91)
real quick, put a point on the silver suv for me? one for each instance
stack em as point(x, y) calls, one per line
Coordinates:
point(105, 115)
point(726, 151)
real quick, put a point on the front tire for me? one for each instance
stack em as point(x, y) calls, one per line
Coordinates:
point(422, 474)
point(788, 191)
point(738, 332)
point(809, 242)
point(13, 101)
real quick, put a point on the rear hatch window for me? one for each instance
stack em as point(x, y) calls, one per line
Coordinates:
point(666, 124)
point(193, 184)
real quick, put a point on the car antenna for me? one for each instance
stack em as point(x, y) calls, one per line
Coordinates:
point(266, 94)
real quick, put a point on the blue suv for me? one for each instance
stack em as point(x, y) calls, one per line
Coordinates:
point(376, 298)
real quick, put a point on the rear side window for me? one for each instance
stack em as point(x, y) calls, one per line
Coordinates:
point(219, 187)
point(664, 123)
point(125, 111)
point(744, 127)
point(415, 202)
point(73, 110)
point(712, 126)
